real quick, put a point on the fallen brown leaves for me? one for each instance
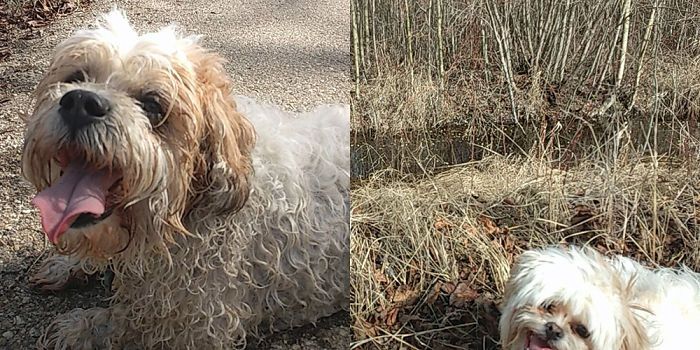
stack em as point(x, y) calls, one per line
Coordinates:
point(462, 294)
point(442, 224)
point(490, 227)
point(404, 300)
point(442, 247)
point(583, 217)
point(21, 20)
point(37, 13)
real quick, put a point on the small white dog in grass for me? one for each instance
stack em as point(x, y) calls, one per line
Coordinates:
point(577, 299)
point(220, 216)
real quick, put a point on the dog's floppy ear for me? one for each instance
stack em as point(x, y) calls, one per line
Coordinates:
point(222, 173)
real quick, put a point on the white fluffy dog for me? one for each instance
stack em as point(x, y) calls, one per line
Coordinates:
point(577, 299)
point(220, 216)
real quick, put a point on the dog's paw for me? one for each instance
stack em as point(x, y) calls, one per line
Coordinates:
point(79, 329)
point(57, 272)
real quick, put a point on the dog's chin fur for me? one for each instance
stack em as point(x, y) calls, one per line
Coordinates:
point(230, 218)
point(619, 303)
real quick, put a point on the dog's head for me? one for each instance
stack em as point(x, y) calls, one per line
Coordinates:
point(129, 133)
point(570, 299)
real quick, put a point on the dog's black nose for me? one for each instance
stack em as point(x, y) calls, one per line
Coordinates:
point(81, 107)
point(553, 331)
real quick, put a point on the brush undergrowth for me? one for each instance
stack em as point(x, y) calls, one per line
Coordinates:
point(430, 255)
point(484, 128)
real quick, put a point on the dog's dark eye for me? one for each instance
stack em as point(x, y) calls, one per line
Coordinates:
point(581, 330)
point(76, 77)
point(548, 307)
point(151, 105)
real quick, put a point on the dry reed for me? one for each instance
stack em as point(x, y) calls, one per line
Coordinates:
point(575, 122)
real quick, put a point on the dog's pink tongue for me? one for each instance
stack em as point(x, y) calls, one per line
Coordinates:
point(79, 190)
point(536, 343)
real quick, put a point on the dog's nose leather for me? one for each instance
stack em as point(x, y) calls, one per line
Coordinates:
point(82, 107)
point(553, 331)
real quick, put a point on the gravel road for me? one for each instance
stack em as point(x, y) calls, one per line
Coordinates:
point(292, 53)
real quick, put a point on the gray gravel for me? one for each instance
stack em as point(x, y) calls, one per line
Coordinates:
point(292, 53)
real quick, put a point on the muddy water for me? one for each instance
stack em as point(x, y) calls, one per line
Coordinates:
point(418, 152)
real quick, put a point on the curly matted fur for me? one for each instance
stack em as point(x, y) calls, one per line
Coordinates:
point(227, 216)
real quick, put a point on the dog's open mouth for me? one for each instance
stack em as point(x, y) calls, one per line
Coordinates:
point(535, 342)
point(77, 199)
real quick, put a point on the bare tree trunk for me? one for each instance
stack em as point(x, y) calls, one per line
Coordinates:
point(568, 45)
point(355, 46)
point(485, 52)
point(645, 45)
point(625, 17)
point(625, 39)
point(409, 38)
point(500, 33)
point(609, 61)
point(374, 38)
point(441, 63)
point(365, 35)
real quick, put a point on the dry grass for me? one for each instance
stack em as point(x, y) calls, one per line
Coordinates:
point(420, 68)
point(428, 255)
point(573, 121)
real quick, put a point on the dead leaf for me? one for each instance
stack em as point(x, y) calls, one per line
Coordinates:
point(380, 277)
point(510, 248)
point(391, 316)
point(505, 230)
point(405, 296)
point(462, 295)
point(489, 226)
point(447, 287)
point(434, 293)
point(368, 329)
point(442, 224)
point(582, 213)
point(489, 313)
point(471, 230)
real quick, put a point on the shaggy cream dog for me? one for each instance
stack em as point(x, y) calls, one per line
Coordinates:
point(220, 216)
point(576, 299)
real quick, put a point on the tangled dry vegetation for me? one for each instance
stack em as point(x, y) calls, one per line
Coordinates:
point(437, 63)
point(484, 128)
point(431, 255)
point(506, 75)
